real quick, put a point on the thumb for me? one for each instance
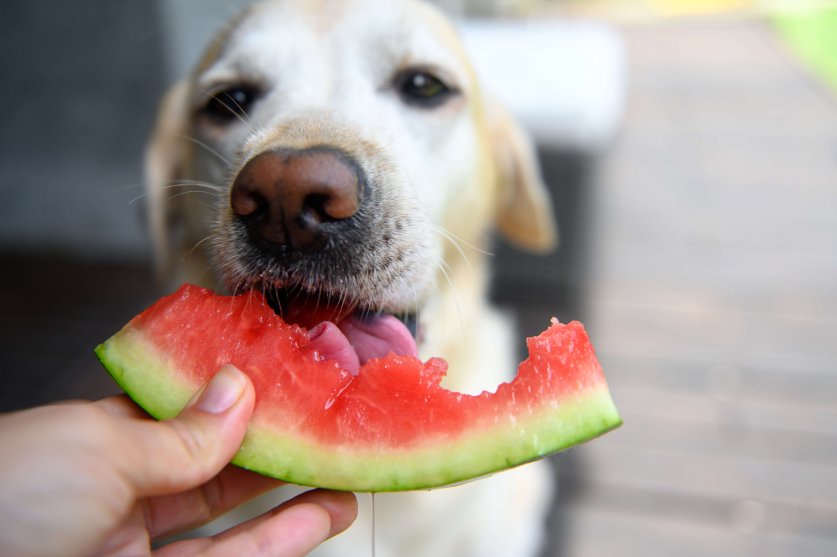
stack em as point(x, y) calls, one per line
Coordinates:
point(188, 450)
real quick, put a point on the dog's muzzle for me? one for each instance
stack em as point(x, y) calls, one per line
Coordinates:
point(293, 200)
point(301, 208)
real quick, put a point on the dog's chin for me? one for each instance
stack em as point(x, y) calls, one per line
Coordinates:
point(341, 329)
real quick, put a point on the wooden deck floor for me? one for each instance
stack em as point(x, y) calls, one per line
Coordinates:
point(714, 306)
point(712, 301)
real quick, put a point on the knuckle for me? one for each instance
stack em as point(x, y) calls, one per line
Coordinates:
point(193, 442)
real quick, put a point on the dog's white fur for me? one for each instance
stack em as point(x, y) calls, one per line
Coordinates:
point(325, 70)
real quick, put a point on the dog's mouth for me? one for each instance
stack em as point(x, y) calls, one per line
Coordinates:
point(342, 330)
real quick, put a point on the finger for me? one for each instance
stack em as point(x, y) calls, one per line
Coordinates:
point(179, 454)
point(292, 533)
point(121, 406)
point(167, 515)
point(340, 505)
point(292, 529)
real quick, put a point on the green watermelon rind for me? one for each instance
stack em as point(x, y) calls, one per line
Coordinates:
point(138, 367)
point(156, 389)
point(469, 456)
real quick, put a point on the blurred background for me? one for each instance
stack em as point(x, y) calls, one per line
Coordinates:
point(691, 150)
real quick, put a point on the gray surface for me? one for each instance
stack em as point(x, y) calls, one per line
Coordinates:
point(712, 304)
point(80, 83)
point(187, 26)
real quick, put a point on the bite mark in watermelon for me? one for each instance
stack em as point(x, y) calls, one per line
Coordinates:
point(389, 427)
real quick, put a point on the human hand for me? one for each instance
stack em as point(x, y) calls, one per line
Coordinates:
point(102, 478)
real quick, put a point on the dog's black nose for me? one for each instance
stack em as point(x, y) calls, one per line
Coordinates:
point(291, 198)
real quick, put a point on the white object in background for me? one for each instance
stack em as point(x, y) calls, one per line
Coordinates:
point(563, 80)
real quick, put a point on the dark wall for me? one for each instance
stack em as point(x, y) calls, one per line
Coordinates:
point(80, 82)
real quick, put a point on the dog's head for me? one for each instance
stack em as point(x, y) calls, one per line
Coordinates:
point(349, 155)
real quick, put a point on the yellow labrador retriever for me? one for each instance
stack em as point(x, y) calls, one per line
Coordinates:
point(353, 172)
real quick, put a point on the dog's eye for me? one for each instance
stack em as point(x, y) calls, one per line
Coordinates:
point(230, 104)
point(423, 89)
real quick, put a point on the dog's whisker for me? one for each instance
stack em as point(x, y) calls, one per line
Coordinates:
point(459, 242)
point(127, 187)
point(179, 194)
point(417, 307)
point(249, 300)
point(455, 244)
point(240, 114)
point(319, 299)
point(140, 196)
point(189, 192)
point(345, 302)
point(207, 147)
point(294, 294)
point(187, 255)
point(198, 244)
point(196, 183)
point(270, 291)
point(443, 267)
point(219, 285)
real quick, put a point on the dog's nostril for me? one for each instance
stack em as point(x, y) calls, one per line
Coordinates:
point(340, 201)
point(314, 207)
point(245, 203)
point(285, 197)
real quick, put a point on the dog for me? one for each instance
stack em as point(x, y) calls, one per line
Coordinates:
point(340, 154)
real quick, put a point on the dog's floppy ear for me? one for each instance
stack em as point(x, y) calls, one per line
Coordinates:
point(165, 158)
point(524, 212)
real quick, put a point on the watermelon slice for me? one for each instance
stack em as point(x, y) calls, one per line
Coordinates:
point(389, 427)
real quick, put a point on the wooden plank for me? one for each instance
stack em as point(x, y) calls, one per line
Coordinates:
point(705, 333)
point(727, 435)
point(707, 473)
point(723, 410)
point(742, 515)
point(597, 531)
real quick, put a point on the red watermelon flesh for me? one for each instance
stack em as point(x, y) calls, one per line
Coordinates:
point(388, 427)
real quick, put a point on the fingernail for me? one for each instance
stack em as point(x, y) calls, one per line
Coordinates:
point(222, 392)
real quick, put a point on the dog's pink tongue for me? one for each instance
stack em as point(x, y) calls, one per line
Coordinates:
point(330, 342)
point(356, 340)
